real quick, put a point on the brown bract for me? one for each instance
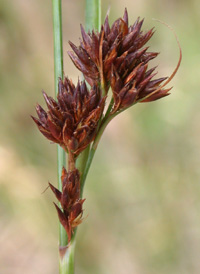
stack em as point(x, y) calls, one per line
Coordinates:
point(71, 214)
point(72, 120)
point(115, 57)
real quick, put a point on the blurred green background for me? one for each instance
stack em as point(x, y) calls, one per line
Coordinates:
point(142, 193)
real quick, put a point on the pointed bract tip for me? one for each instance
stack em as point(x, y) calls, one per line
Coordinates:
point(125, 17)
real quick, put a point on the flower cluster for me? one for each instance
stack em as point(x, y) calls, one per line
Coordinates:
point(70, 201)
point(72, 120)
point(113, 58)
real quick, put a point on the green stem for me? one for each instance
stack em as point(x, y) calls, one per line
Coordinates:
point(86, 169)
point(104, 124)
point(109, 108)
point(92, 21)
point(67, 258)
point(93, 15)
point(82, 160)
point(58, 72)
point(58, 47)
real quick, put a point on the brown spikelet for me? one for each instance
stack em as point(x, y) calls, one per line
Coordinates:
point(71, 214)
point(72, 120)
point(116, 57)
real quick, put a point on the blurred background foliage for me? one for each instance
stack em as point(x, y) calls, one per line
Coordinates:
point(142, 193)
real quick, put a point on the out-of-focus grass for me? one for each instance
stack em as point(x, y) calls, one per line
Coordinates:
point(143, 188)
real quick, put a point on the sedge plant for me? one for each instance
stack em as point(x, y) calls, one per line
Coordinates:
point(114, 60)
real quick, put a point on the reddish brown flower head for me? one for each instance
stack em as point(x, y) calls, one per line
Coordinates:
point(136, 87)
point(69, 198)
point(72, 121)
point(118, 45)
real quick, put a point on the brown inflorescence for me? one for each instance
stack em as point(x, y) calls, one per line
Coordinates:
point(71, 214)
point(116, 58)
point(113, 58)
point(136, 87)
point(71, 121)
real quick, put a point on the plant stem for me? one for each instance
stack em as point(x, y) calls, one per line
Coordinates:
point(67, 258)
point(82, 160)
point(92, 21)
point(109, 108)
point(104, 124)
point(71, 161)
point(93, 15)
point(58, 72)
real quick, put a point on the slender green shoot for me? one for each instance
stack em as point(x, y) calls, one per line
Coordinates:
point(58, 72)
point(67, 258)
point(92, 21)
point(104, 123)
point(93, 15)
